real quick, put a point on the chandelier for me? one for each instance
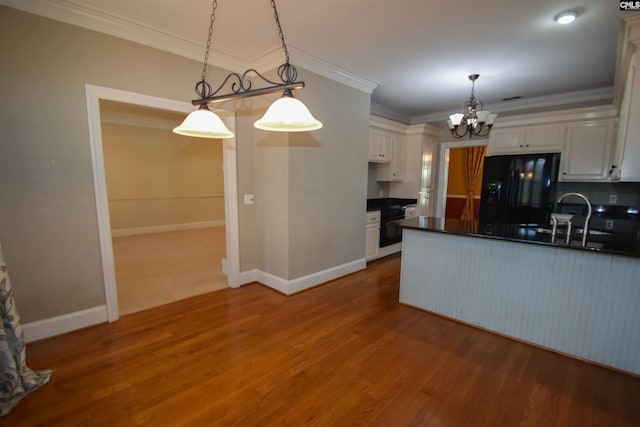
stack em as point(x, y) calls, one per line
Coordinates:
point(287, 114)
point(473, 121)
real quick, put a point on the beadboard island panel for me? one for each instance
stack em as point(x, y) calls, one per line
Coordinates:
point(585, 304)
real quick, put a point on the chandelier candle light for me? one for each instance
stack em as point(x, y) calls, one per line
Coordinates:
point(287, 114)
point(473, 121)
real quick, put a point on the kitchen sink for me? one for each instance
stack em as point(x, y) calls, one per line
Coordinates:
point(562, 231)
point(541, 230)
point(594, 232)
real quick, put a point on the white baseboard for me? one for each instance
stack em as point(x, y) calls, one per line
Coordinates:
point(121, 232)
point(67, 322)
point(306, 282)
point(249, 276)
point(289, 287)
point(81, 319)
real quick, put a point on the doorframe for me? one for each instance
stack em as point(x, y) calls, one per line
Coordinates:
point(443, 170)
point(229, 157)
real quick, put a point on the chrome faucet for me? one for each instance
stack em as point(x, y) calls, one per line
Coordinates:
point(585, 230)
point(554, 228)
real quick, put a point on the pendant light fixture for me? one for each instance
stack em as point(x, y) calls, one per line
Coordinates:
point(473, 121)
point(287, 114)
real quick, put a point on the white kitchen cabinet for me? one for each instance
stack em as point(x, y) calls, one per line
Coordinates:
point(372, 235)
point(526, 139)
point(394, 170)
point(506, 141)
point(627, 157)
point(588, 151)
point(380, 146)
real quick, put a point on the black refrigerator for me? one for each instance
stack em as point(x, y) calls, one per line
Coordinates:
point(519, 189)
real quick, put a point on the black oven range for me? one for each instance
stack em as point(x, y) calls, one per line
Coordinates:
point(391, 209)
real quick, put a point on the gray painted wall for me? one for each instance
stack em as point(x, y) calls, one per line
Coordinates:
point(48, 224)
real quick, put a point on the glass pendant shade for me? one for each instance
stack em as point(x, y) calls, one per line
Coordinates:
point(288, 114)
point(456, 118)
point(482, 116)
point(203, 123)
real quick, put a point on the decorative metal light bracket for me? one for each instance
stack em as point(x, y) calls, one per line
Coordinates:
point(242, 87)
point(240, 84)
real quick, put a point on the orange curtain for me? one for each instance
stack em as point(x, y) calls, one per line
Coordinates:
point(475, 158)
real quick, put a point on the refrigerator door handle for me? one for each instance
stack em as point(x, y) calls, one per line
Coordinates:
point(512, 189)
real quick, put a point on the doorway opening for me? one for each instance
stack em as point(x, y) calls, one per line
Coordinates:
point(99, 99)
point(453, 188)
point(166, 207)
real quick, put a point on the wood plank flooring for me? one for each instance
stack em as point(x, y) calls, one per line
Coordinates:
point(345, 353)
point(158, 268)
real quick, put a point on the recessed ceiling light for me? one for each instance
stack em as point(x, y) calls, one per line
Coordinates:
point(566, 17)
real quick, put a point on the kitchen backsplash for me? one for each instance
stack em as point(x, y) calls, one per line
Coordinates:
point(627, 193)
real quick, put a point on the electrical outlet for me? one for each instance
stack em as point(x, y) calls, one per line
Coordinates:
point(613, 198)
point(608, 224)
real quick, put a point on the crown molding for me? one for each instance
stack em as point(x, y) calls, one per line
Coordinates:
point(386, 112)
point(387, 124)
point(556, 101)
point(78, 14)
point(323, 68)
point(423, 129)
point(608, 111)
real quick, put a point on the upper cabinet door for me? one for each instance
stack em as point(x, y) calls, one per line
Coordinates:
point(506, 141)
point(394, 170)
point(527, 139)
point(380, 146)
point(375, 138)
point(544, 139)
point(588, 151)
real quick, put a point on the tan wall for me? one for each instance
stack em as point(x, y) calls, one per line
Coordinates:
point(48, 224)
point(309, 201)
point(328, 179)
point(309, 187)
point(155, 177)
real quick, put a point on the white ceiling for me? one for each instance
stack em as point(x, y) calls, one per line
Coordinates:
point(416, 53)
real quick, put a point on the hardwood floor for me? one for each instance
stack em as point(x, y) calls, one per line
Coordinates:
point(345, 353)
point(159, 268)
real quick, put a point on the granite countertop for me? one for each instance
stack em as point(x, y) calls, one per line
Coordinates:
point(601, 242)
point(383, 202)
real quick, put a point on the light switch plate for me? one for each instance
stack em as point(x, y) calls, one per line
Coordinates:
point(248, 199)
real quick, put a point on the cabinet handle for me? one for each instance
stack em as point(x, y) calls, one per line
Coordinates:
point(521, 145)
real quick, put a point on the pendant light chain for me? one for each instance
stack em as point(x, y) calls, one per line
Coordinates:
point(287, 72)
point(280, 33)
point(204, 89)
point(206, 52)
